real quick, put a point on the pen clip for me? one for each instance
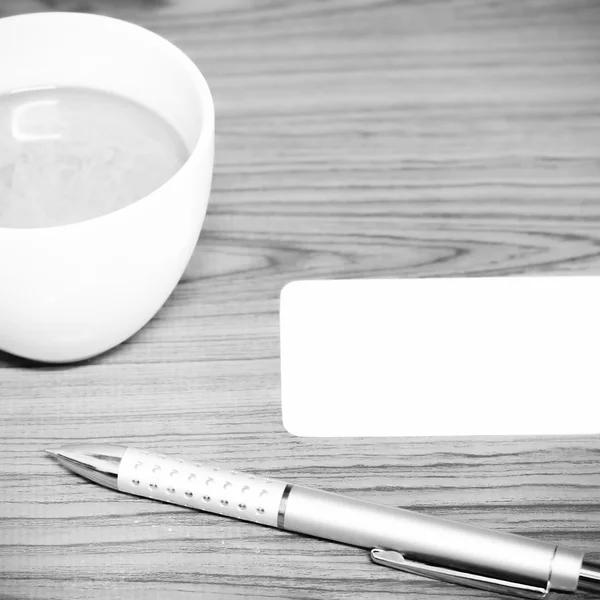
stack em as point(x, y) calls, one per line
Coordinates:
point(396, 560)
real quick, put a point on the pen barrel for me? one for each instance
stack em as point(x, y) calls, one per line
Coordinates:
point(431, 539)
point(207, 487)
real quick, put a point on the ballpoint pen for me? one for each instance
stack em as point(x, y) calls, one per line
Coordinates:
point(398, 538)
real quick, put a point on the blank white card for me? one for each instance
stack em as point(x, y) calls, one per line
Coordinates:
point(441, 357)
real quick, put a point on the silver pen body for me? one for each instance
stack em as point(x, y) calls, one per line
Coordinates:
point(432, 540)
point(522, 562)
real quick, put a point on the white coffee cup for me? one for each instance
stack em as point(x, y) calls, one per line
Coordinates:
point(71, 292)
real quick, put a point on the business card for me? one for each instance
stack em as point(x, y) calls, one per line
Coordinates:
point(441, 357)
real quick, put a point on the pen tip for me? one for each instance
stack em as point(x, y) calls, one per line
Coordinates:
point(53, 452)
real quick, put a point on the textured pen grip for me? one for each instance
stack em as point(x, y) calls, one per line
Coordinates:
point(203, 487)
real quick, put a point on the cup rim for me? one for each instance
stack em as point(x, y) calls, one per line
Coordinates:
point(196, 76)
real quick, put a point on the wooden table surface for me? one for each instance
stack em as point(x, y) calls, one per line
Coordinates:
point(355, 138)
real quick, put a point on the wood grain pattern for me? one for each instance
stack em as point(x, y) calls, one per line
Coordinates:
point(358, 138)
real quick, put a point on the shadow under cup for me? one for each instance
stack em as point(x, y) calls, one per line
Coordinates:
point(71, 292)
